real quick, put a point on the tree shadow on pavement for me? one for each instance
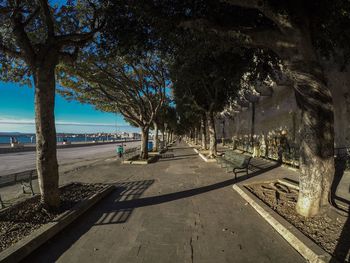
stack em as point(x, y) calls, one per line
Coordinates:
point(155, 200)
point(342, 249)
point(182, 148)
point(117, 209)
point(177, 157)
point(340, 166)
point(105, 212)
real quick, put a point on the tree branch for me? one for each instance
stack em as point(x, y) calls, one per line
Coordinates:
point(5, 10)
point(281, 20)
point(22, 39)
point(69, 58)
point(75, 39)
point(255, 38)
point(30, 17)
point(80, 39)
point(48, 18)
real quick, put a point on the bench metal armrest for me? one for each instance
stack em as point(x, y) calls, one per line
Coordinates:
point(28, 183)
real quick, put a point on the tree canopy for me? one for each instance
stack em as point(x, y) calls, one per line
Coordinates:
point(36, 36)
point(134, 88)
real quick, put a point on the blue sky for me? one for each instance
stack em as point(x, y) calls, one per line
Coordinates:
point(17, 113)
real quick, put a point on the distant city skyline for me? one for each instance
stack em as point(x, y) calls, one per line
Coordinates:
point(17, 114)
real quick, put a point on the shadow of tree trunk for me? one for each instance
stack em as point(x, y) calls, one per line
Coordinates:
point(342, 250)
point(340, 165)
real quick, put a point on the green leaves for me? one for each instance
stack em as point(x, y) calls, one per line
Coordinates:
point(134, 88)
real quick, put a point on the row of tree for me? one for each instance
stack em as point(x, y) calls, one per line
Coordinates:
point(287, 42)
point(209, 46)
point(42, 44)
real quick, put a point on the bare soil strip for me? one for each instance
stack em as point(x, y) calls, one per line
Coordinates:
point(329, 230)
point(22, 219)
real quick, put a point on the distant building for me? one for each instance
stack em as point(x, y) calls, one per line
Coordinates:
point(124, 135)
point(134, 135)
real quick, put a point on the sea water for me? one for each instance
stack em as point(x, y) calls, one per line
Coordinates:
point(30, 138)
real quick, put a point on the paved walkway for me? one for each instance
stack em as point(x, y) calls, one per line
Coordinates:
point(176, 210)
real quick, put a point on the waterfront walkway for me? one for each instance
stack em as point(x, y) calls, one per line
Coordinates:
point(175, 210)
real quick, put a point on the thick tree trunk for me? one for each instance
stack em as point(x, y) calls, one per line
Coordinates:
point(212, 135)
point(317, 145)
point(155, 147)
point(204, 133)
point(46, 159)
point(144, 143)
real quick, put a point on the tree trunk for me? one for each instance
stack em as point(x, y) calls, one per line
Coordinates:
point(252, 127)
point(155, 147)
point(168, 137)
point(46, 158)
point(317, 143)
point(212, 135)
point(163, 137)
point(204, 133)
point(144, 143)
point(195, 136)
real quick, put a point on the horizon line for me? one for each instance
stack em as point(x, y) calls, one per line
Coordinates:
point(64, 123)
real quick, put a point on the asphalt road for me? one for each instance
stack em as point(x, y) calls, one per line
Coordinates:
point(21, 161)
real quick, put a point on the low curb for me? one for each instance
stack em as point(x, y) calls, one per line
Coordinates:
point(153, 153)
point(305, 246)
point(27, 245)
point(157, 153)
point(206, 159)
point(203, 156)
point(142, 162)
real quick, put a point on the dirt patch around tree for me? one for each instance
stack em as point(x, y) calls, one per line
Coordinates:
point(330, 230)
point(22, 219)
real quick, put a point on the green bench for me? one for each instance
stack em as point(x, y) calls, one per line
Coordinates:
point(235, 162)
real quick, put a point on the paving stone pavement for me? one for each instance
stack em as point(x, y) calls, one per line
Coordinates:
point(175, 210)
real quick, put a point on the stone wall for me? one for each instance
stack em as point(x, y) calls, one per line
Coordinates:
point(339, 83)
point(280, 112)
